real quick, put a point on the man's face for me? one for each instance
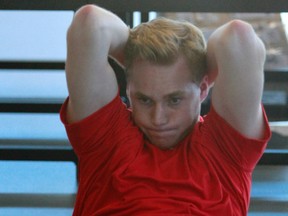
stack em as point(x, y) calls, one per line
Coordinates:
point(165, 101)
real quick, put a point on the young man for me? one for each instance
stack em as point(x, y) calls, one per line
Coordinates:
point(160, 157)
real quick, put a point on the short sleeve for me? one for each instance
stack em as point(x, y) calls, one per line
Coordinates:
point(233, 146)
point(102, 130)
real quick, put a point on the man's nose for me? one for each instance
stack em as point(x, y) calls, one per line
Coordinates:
point(159, 115)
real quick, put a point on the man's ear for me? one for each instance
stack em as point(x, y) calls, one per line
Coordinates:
point(204, 88)
point(128, 91)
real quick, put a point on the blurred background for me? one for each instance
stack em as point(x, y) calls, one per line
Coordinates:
point(38, 169)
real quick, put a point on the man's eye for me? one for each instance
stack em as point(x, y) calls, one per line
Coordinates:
point(145, 101)
point(174, 101)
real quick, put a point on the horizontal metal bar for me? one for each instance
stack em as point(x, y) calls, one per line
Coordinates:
point(196, 5)
point(277, 75)
point(152, 5)
point(269, 158)
point(30, 107)
point(277, 112)
point(38, 200)
point(274, 158)
point(32, 65)
point(38, 154)
point(41, 5)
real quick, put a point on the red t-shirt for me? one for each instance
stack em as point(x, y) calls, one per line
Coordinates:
point(121, 173)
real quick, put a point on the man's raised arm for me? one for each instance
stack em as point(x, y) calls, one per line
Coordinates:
point(236, 58)
point(94, 34)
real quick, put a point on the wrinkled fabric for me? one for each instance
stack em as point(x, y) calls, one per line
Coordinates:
point(121, 173)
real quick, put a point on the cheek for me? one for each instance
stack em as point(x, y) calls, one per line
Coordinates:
point(190, 111)
point(140, 115)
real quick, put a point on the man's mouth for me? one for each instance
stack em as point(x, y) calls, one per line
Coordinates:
point(161, 132)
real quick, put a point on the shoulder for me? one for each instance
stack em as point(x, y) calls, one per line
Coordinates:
point(116, 106)
point(214, 124)
point(221, 139)
point(110, 123)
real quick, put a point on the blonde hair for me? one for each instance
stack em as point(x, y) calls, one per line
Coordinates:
point(162, 40)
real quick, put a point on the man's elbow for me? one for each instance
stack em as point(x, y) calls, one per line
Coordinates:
point(240, 27)
point(240, 37)
point(87, 19)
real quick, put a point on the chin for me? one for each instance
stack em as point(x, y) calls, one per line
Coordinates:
point(164, 145)
point(167, 147)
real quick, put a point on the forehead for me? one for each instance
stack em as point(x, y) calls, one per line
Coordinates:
point(146, 69)
point(160, 80)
